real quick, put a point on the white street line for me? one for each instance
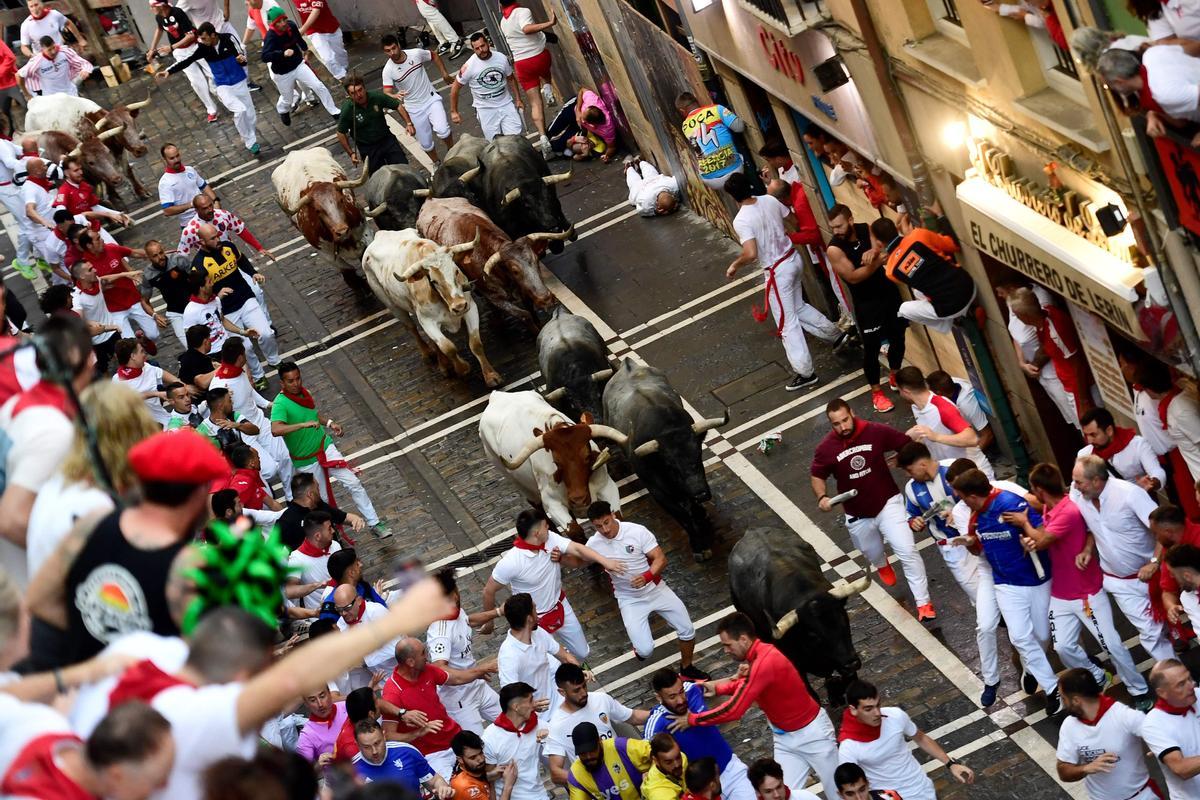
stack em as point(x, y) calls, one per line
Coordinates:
point(799, 401)
point(704, 298)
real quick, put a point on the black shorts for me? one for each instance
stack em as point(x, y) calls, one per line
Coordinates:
point(385, 151)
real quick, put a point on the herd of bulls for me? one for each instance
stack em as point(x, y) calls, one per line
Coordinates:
point(480, 226)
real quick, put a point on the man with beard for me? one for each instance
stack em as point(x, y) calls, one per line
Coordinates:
point(470, 781)
point(606, 769)
point(1100, 743)
point(855, 452)
point(664, 781)
point(578, 705)
point(168, 272)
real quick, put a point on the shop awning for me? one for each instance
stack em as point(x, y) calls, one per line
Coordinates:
point(1048, 253)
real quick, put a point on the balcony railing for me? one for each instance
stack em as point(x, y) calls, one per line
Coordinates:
point(789, 16)
point(1064, 63)
point(951, 15)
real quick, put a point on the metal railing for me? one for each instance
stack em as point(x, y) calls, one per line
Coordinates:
point(951, 15)
point(786, 11)
point(1063, 62)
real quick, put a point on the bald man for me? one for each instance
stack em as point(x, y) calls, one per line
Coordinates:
point(232, 271)
point(37, 196)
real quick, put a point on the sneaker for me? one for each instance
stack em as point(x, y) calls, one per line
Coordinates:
point(456, 50)
point(1053, 704)
point(260, 385)
point(1028, 682)
point(801, 381)
point(1143, 702)
point(381, 529)
point(443, 48)
point(27, 271)
point(988, 698)
point(892, 379)
point(285, 117)
point(210, 119)
point(881, 402)
point(548, 95)
point(254, 148)
point(335, 117)
point(887, 575)
point(841, 340)
point(926, 613)
point(254, 87)
point(694, 673)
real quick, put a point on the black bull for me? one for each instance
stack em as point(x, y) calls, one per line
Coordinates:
point(775, 578)
point(394, 195)
point(518, 189)
point(574, 362)
point(663, 446)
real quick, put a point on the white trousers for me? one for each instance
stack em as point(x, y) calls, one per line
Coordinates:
point(787, 298)
point(974, 576)
point(570, 635)
point(332, 52)
point(252, 315)
point(502, 120)
point(473, 706)
point(175, 319)
point(1063, 400)
point(199, 77)
point(1191, 605)
point(891, 524)
point(274, 447)
point(921, 311)
point(237, 99)
point(136, 313)
point(1093, 614)
point(429, 120)
point(346, 477)
point(735, 781)
point(636, 611)
point(1026, 611)
point(10, 196)
point(304, 77)
point(1133, 598)
point(441, 27)
point(813, 748)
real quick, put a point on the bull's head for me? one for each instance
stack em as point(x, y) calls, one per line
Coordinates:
point(327, 211)
point(131, 138)
point(677, 456)
point(818, 630)
point(437, 273)
point(516, 264)
point(533, 205)
point(570, 445)
point(99, 164)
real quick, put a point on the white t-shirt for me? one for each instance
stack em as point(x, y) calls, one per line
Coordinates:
point(888, 762)
point(532, 571)
point(43, 204)
point(168, 653)
point(523, 45)
point(1174, 80)
point(762, 221)
point(487, 80)
point(1164, 733)
point(204, 724)
point(51, 24)
point(1179, 18)
point(530, 663)
point(93, 309)
point(55, 511)
point(410, 79)
point(1137, 459)
point(209, 315)
point(1183, 426)
point(176, 188)
point(383, 658)
point(313, 569)
point(1119, 732)
point(202, 11)
point(601, 710)
point(968, 404)
point(449, 640)
point(1121, 526)
point(1150, 423)
point(53, 73)
point(943, 417)
point(629, 546)
point(148, 381)
point(246, 401)
point(501, 746)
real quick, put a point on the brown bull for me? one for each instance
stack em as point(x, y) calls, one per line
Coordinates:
point(129, 143)
point(328, 217)
point(508, 273)
point(100, 167)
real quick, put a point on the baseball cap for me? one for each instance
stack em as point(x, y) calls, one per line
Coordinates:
point(157, 3)
point(585, 737)
point(275, 13)
point(181, 456)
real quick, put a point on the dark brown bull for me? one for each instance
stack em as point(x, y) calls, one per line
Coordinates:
point(129, 143)
point(100, 167)
point(506, 272)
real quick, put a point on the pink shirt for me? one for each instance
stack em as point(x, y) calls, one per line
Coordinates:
point(317, 738)
point(1067, 581)
point(606, 130)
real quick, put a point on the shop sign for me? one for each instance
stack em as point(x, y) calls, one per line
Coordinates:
point(781, 57)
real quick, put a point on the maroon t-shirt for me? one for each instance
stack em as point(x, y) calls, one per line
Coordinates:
point(859, 463)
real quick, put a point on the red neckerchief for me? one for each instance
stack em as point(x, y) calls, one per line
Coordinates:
point(143, 681)
point(46, 11)
point(128, 373)
point(303, 399)
point(1146, 100)
point(504, 722)
point(521, 544)
point(228, 371)
point(93, 291)
point(1120, 440)
point(1163, 705)
point(361, 610)
point(1165, 403)
point(1106, 703)
point(992, 495)
point(692, 796)
point(196, 299)
point(176, 170)
point(856, 730)
point(44, 393)
point(508, 10)
point(327, 721)
point(308, 549)
point(42, 182)
point(30, 153)
point(860, 425)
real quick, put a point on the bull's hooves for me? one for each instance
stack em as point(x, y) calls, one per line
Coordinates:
point(462, 369)
point(495, 380)
point(702, 556)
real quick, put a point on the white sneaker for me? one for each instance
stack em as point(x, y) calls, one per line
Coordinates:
point(548, 95)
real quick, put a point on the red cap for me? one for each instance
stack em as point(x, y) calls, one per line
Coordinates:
point(181, 456)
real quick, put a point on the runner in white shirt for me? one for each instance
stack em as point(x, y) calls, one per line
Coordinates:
point(528, 651)
point(404, 77)
point(1025, 340)
point(939, 424)
point(490, 76)
point(37, 202)
point(352, 609)
point(1117, 513)
point(967, 399)
point(533, 566)
point(472, 705)
point(579, 705)
point(88, 302)
point(311, 558)
point(1172, 728)
point(1145, 407)
point(514, 738)
point(876, 738)
point(166, 653)
point(759, 229)
point(179, 185)
point(640, 589)
point(204, 308)
point(1128, 455)
point(46, 22)
point(1100, 742)
point(138, 374)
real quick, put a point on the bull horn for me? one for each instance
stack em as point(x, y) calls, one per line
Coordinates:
point(554, 395)
point(602, 375)
point(606, 432)
point(547, 236)
point(77, 152)
point(550, 180)
point(357, 182)
point(109, 134)
point(601, 459)
point(291, 212)
point(140, 104)
point(489, 265)
point(785, 624)
point(422, 192)
point(708, 424)
point(465, 247)
point(411, 270)
point(469, 174)
point(531, 447)
point(102, 124)
point(646, 448)
point(376, 211)
point(513, 194)
point(845, 590)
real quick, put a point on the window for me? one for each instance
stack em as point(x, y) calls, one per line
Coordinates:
point(1058, 66)
point(946, 19)
point(789, 16)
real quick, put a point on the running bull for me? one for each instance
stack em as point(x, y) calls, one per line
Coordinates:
point(458, 173)
point(664, 446)
point(312, 189)
point(775, 578)
point(394, 195)
point(518, 190)
point(574, 364)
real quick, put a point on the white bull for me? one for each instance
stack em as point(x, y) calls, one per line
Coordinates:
point(62, 112)
point(552, 459)
point(421, 285)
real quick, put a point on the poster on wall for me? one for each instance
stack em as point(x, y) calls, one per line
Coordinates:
point(1093, 335)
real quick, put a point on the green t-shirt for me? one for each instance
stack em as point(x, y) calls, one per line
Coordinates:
point(303, 444)
point(368, 124)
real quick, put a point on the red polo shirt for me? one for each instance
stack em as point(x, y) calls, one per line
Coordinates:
point(326, 21)
point(249, 486)
point(421, 695)
point(121, 294)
